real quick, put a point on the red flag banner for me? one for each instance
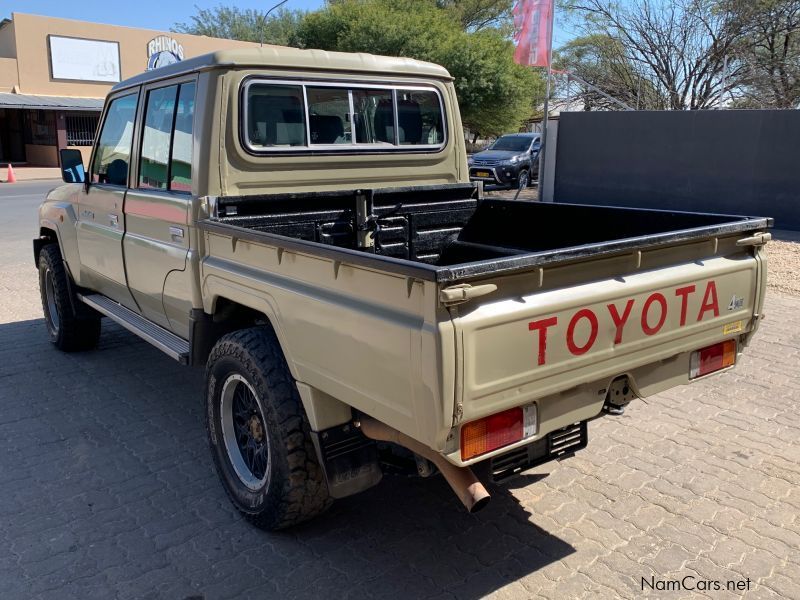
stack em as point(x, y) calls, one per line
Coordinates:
point(532, 20)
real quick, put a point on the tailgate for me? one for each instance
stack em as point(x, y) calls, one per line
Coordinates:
point(513, 351)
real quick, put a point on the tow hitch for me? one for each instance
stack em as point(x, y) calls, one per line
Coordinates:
point(618, 396)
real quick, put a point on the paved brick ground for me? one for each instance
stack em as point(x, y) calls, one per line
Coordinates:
point(106, 491)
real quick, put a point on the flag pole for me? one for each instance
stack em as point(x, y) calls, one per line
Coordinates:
point(542, 146)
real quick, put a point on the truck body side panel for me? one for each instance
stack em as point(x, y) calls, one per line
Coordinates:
point(364, 337)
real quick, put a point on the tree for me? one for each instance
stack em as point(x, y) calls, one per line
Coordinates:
point(495, 94)
point(688, 51)
point(770, 51)
point(475, 15)
point(602, 61)
point(247, 25)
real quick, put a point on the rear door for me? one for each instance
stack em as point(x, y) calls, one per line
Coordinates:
point(101, 224)
point(157, 208)
point(512, 351)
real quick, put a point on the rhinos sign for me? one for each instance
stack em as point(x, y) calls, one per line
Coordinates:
point(162, 51)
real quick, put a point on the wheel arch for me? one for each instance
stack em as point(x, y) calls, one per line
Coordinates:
point(58, 223)
point(228, 315)
point(232, 311)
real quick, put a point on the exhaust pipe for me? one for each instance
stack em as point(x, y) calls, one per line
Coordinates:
point(463, 481)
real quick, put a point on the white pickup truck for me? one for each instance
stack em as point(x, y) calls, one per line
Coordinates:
point(301, 224)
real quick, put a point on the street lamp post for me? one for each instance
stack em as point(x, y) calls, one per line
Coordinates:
point(264, 21)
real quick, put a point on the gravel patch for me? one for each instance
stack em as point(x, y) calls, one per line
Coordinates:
point(783, 267)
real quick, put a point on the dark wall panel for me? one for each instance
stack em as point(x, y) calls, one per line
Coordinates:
point(727, 161)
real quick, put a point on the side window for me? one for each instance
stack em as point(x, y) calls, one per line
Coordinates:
point(419, 118)
point(113, 152)
point(166, 160)
point(180, 169)
point(159, 112)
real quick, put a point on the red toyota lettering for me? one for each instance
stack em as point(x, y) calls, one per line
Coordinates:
point(541, 326)
point(684, 294)
point(619, 322)
point(656, 297)
point(709, 301)
point(583, 313)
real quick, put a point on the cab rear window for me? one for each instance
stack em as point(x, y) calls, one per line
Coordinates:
point(292, 116)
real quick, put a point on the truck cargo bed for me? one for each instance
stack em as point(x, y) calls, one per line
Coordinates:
point(446, 233)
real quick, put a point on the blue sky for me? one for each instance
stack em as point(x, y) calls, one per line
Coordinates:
point(155, 14)
point(150, 14)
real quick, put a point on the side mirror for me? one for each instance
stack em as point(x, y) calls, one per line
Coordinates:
point(72, 170)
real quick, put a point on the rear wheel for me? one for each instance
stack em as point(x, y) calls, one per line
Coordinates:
point(259, 433)
point(69, 331)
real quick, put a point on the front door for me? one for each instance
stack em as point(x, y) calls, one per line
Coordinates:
point(101, 221)
point(157, 208)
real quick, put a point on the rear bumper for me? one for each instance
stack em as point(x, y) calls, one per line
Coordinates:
point(557, 445)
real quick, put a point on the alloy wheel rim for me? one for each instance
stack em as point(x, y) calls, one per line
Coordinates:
point(244, 432)
point(50, 298)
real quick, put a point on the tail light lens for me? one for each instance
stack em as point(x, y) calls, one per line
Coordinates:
point(713, 358)
point(498, 430)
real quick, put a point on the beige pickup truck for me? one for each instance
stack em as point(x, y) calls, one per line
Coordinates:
point(302, 224)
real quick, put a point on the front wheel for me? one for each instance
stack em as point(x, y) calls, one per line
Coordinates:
point(69, 331)
point(259, 433)
point(522, 181)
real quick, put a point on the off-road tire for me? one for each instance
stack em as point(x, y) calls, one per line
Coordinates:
point(72, 329)
point(295, 489)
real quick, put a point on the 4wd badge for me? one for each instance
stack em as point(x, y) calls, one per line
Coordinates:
point(735, 303)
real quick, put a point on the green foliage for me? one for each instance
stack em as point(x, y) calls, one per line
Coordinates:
point(247, 25)
point(495, 94)
point(474, 15)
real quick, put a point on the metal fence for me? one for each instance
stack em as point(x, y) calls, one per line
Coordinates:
point(81, 129)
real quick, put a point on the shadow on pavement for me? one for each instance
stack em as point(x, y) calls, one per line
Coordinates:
point(107, 489)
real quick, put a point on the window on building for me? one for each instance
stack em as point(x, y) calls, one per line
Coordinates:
point(40, 127)
point(166, 160)
point(81, 129)
point(113, 152)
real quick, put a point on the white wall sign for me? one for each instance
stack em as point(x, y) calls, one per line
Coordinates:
point(84, 60)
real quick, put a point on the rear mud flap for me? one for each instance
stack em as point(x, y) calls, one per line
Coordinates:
point(348, 458)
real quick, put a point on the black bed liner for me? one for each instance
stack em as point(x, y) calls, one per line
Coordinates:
point(446, 233)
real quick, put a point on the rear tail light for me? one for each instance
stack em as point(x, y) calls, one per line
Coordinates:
point(713, 358)
point(498, 430)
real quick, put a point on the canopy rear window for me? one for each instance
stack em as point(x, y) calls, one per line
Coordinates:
point(299, 116)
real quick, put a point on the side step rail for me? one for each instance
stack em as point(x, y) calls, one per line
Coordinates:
point(166, 341)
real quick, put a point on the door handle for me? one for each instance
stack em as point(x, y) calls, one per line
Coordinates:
point(113, 220)
point(87, 214)
point(176, 233)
